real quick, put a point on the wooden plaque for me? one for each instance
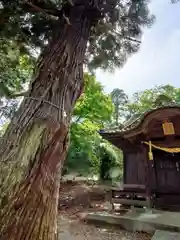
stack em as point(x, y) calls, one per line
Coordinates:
point(168, 128)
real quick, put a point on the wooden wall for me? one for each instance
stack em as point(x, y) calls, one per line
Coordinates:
point(167, 172)
point(134, 167)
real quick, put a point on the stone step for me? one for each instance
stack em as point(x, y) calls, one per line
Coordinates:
point(165, 235)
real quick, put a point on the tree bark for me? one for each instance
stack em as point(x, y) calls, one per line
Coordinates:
point(35, 144)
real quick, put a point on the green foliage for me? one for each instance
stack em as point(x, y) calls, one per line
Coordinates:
point(119, 99)
point(15, 73)
point(15, 69)
point(94, 105)
point(82, 156)
point(127, 110)
point(113, 38)
point(7, 109)
point(111, 162)
point(3, 128)
point(89, 155)
point(118, 34)
point(92, 110)
point(177, 95)
point(152, 98)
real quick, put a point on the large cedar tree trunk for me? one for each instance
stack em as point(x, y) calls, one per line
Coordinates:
point(34, 146)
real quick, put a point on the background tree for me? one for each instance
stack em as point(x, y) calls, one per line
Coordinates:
point(92, 111)
point(94, 105)
point(141, 102)
point(152, 98)
point(68, 34)
point(120, 100)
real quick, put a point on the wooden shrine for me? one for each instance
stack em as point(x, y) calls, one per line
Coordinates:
point(151, 149)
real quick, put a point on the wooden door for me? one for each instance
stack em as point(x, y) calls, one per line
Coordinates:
point(167, 172)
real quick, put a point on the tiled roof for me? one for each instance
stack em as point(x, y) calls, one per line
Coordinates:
point(135, 120)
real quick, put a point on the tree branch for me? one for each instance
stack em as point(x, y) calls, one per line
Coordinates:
point(78, 119)
point(132, 39)
point(66, 19)
point(126, 37)
point(110, 27)
point(15, 95)
point(52, 14)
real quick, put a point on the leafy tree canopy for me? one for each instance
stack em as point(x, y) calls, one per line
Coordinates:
point(152, 98)
point(127, 110)
point(15, 70)
point(94, 105)
point(92, 110)
point(15, 73)
point(114, 36)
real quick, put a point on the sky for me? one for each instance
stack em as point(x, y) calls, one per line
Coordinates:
point(158, 60)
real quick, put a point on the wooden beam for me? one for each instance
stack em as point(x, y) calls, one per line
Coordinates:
point(129, 202)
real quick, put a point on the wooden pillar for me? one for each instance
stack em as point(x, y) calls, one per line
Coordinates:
point(148, 169)
point(124, 166)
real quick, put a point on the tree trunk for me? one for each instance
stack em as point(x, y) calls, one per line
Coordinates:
point(35, 144)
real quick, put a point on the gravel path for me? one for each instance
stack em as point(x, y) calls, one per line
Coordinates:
point(74, 201)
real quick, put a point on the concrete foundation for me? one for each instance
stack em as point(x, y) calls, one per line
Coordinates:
point(140, 220)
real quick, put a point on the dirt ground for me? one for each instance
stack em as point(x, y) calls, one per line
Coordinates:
point(76, 199)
